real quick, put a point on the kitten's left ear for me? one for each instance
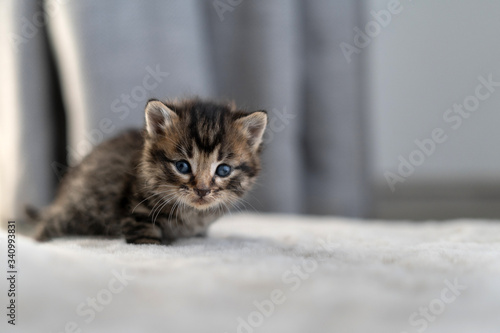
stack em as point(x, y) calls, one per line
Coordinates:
point(159, 118)
point(253, 126)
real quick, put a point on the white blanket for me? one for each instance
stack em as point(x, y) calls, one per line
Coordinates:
point(262, 273)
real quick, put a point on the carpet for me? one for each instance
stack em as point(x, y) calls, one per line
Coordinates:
point(265, 273)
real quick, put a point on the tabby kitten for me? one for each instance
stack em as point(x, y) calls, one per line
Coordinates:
point(193, 160)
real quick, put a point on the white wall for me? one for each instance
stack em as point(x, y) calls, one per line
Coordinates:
point(428, 58)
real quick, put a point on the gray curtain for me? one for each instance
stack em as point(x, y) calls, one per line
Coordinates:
point(86, 72)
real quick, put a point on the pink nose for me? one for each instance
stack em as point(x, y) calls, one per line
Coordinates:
point(202, 191)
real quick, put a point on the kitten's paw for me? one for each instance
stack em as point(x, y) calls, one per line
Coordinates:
point(145, 240)
point(140, 232)
point(201, 234)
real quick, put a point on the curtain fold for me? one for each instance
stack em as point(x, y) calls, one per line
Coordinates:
point(116, 55)
point(26, 118)
point(112, 56)
point(335, 126)
point(258, 64)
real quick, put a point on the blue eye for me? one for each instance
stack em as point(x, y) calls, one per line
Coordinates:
point(223, 170)
point(183, 167)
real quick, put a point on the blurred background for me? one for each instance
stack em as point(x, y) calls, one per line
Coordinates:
point(378, 109)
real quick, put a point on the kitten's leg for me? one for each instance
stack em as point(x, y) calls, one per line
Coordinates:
point(140, 230)
point(201, 234)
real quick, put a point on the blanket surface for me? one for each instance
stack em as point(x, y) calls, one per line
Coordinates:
point(265, 273)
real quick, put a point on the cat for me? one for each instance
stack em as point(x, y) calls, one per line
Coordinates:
point(191, 162)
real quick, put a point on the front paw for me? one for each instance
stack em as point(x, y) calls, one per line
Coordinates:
point(141, 232)
point(144, 240)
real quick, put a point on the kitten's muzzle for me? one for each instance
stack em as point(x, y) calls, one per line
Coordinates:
point(202, 191)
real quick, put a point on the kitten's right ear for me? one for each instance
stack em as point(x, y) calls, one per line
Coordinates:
point(159, 118)
point(254, 125)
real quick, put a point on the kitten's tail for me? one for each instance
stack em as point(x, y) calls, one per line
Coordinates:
point(33, 214)
point(34, 217)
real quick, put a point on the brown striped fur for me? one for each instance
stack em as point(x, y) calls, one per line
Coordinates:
point(130, 186)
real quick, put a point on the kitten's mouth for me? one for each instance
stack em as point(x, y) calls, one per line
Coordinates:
point(202, 203)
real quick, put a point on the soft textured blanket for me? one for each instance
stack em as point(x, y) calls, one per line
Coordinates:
point(261, 273)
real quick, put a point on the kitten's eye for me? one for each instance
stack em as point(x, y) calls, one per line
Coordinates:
point(183, 167)
point(223, 170)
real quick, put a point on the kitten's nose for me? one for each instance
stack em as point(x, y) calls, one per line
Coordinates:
point(202, 191)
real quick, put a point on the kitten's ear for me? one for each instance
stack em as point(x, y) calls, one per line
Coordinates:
point(253, 126)
point(159, 118)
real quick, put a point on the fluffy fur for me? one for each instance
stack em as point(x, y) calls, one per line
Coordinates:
point(132, 185)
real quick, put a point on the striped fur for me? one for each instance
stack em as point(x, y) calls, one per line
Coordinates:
point(129, 186)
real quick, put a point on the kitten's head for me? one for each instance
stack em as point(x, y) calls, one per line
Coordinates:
point(201, 154)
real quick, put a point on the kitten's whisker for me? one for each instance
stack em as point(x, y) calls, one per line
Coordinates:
point(258, 201)
point(235, 201)
point(154, 207)
point(172, 209)
point(235, 206)
point(147, 199)
point(153, 211)
point(182, 208)
point(183, 198)
point(166, 201)
point(243, 201)
point(177, 212)
point(158, 212)
point(153, 219)
point(161, 202)
point(227, 208)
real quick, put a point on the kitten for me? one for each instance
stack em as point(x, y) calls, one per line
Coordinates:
point(192, 161)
